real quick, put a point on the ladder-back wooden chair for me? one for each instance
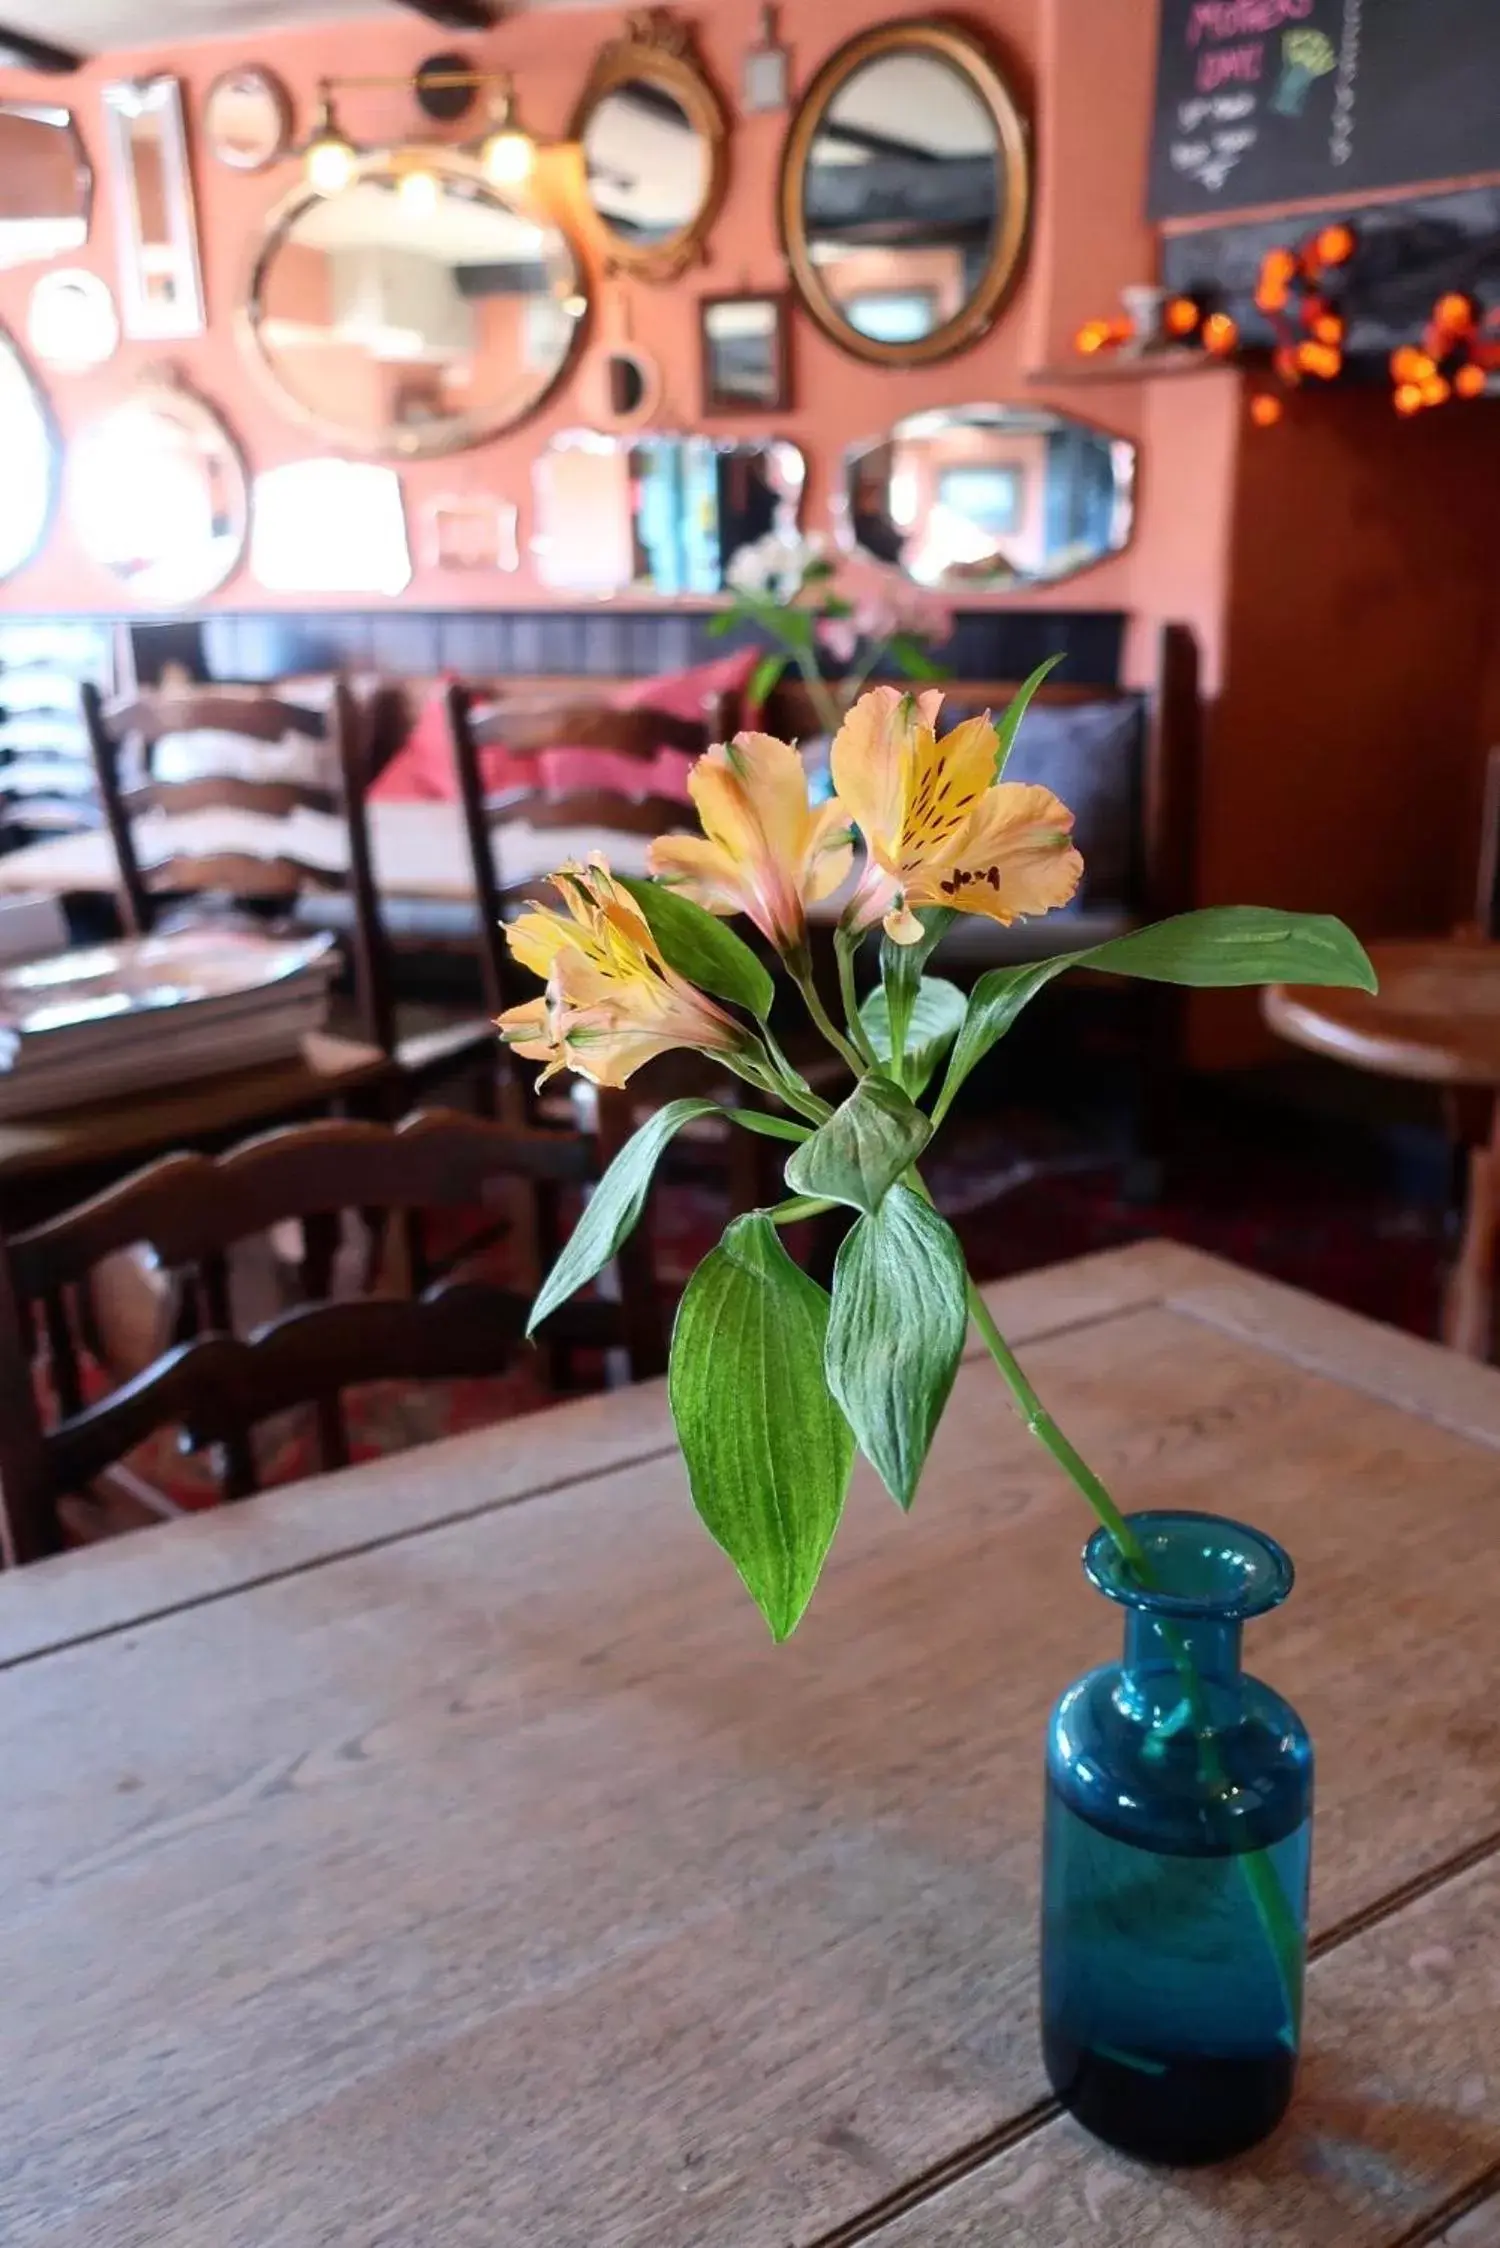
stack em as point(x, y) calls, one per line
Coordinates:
point(190, 1210)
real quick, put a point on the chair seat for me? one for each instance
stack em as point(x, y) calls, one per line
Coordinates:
point(327, 1069)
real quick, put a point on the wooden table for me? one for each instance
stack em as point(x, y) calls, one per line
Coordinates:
point(440, 1856)
point(1435, 1019)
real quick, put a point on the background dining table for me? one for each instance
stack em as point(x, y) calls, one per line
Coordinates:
point(439, 1854)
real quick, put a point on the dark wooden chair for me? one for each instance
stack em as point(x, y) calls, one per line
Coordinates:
point(218, 1385)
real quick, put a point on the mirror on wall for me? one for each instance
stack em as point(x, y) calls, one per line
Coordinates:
point(157, 494)
point(745, 354)
point(71, 322)
point(655, 513)
point(988, 496)
point(46, 186)
point(406, 320)
point(326, 526)
point(28, 462)
point(156, 230)
point(904, 190)
point(653, 133)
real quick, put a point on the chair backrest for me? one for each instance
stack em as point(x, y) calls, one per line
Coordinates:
point(584, 767)
point(191, 1209)
point(227, 823)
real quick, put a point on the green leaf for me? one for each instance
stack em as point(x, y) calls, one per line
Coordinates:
point(768, 1452)
point(722, 621)
point(937, 1012)
point(1008, 723)
point(863, 1148)
point(614, 1206)
point(896, 1334)
point(701, 947)
point(912, 659)
point(901, 965)
point(765, 677)
point(773, 1127)
point(1221, 946)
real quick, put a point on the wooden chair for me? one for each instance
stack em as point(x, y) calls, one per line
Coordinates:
point(495, 821)
point(190, 1210)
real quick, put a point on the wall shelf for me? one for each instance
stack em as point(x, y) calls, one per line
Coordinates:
point(1118, 366)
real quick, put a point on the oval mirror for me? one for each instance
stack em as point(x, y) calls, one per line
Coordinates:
point(28, 462)
point(989, 497)
point(157, 494)
point(653, 134)
point(416, 311)
point(656, 513)
point(904, 192)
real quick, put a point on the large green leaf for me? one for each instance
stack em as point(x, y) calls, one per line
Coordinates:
point(768, 1452)
point(897, 1333)
point(769, 1124)
point(863, 1148)
point(701, 947)
point(1221, 946)
point(1008, 723)
point(937, 1012)
point(901, 965)
point(614, 1206)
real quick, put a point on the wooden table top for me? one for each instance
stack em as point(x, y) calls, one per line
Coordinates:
point(1436, 1016)
point(439, 1855)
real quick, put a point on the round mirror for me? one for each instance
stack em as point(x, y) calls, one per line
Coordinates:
point(415, 311)
point(988, 497)
point(28, 462)
point(904, 190)
point(157, 495)
point(653, 134)
point(247, 118)
point(71, 322)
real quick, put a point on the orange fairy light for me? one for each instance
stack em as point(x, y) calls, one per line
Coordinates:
point(1454, 313)
point(1328, 328)
point(1320, 359)
point(1408, 398)
point(1469, 382)
point(1334, 245)
point(1220, 334)
point(1092, 336)
point(1410, 365)
point(1266, 410)
point(1181, 316)
point(1436, 392)
point(1286, 364)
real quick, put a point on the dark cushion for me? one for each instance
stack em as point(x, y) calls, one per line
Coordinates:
point(1089, 754)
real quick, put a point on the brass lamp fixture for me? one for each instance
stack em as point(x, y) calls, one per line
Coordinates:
point(505, 152)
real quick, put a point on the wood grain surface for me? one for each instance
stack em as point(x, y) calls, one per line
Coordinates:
point(441, 1856)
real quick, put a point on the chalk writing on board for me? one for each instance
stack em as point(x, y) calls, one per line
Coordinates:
point(1234, 57)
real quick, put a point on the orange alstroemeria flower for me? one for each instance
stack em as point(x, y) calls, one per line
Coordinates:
point(765, 850)
point(611, 1001)
point(939, 828)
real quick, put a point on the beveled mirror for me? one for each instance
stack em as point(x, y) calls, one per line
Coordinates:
point(156, 230)
point(657, 514)
point(46, 187)
point(326, 526)
point(157, 493)
point(654, 136)
point(988, 497)
point(905, 182)
point(404, 320)
point(28, 462)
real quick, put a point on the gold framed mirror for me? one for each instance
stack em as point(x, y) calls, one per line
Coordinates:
point(655, 140)
point(158, 493)
point(417, 311)
point(904, 194)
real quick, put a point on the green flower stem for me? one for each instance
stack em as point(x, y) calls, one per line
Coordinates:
point(787, 1071)
point(766, 1078)
point(800, 1206)
point(800, 968)
point(845, 946)
point(1270, 1899)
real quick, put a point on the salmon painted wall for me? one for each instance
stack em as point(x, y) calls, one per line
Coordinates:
point(1082, 67)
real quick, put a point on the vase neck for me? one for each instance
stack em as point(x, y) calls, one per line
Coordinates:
point(1152, 1668)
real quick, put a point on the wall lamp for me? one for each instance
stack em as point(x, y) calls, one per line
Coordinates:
point(505, 152)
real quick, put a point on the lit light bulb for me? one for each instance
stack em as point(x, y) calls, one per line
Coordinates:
point(575, 306)
point(329, 159)
point(1265, 410)
point(507, 157)
point(418, 192)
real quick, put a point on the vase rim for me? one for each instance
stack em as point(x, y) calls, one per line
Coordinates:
point(1206, 1566)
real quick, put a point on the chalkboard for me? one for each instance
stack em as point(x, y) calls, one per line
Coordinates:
point(1276, 101)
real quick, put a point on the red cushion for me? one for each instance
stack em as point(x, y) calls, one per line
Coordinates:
point(422, 768)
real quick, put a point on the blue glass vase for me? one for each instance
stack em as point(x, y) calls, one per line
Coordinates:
point(1177, 1849)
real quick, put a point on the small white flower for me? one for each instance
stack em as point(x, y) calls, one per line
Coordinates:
point(776, 565)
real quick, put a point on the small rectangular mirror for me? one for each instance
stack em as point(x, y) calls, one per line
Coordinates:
point(45, 184)
point(745, 359)
point(161, 288)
